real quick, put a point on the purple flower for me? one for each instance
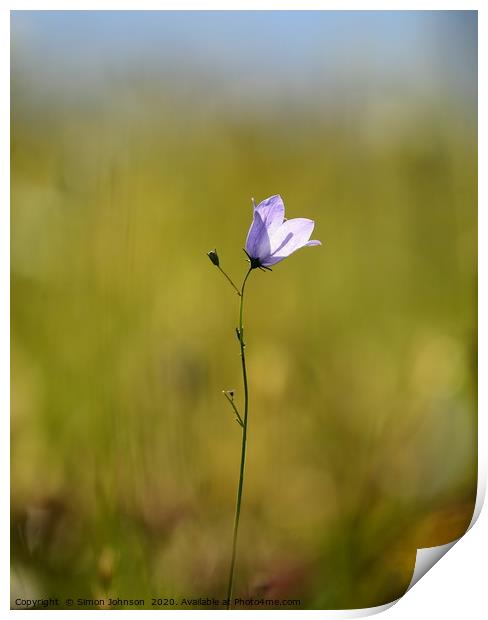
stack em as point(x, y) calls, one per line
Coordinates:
point(271, 238)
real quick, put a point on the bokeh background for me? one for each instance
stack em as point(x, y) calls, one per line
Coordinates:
point(138, 140)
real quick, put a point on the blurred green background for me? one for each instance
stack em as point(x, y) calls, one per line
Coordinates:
point(138, 140)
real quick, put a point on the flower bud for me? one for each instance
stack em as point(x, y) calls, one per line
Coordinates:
point(213, 256)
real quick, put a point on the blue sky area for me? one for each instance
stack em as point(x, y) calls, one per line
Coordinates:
point(287, 51)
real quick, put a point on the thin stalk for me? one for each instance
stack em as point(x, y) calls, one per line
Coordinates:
point(229, 279)
point(243, 446)
point(233, 405)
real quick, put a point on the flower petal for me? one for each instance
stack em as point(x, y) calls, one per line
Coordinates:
point(269, 261)
point(257, 242)
point(268, 216)
point(291, 235)
point(272, 212)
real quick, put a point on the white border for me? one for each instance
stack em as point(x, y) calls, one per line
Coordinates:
point(5, 305)
point(454, 587)
point(234, 5)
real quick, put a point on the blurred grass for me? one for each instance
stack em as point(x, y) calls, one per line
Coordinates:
point(361, 353)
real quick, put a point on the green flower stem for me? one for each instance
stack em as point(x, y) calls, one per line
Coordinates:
point(243, 447)
point(232, 404)
point(229, 279)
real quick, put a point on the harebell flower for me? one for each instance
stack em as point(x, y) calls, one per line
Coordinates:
point(271, 239)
